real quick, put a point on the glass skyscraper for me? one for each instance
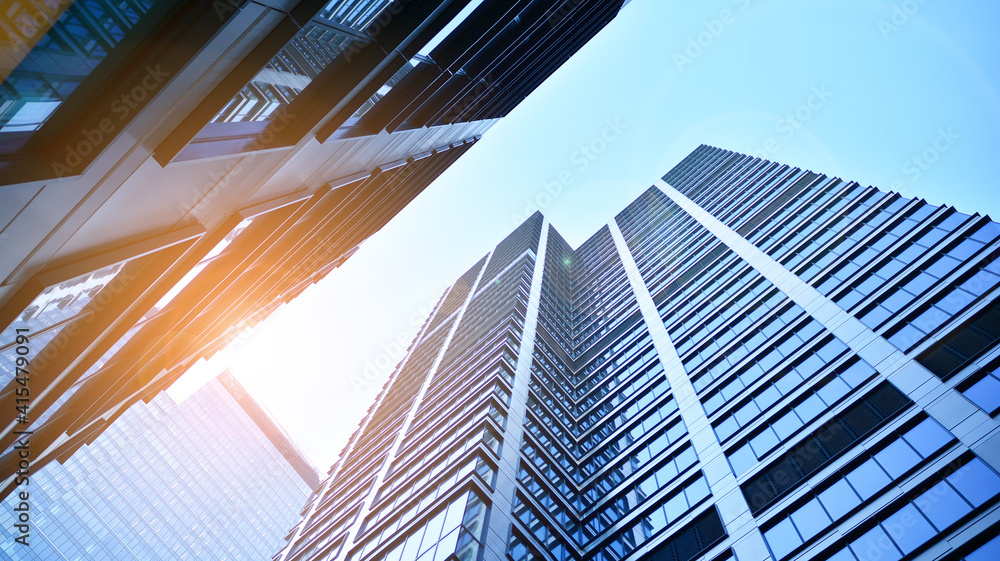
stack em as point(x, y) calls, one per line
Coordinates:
point(172, 172)
point(750, 362)
point(212, 477)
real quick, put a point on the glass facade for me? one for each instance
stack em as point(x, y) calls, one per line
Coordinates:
point(80, 37)
point(751, 362)
point(211, 477)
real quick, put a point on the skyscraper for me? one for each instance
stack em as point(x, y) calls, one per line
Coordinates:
point(173, 171)
point(212, 477)
point(751, 361)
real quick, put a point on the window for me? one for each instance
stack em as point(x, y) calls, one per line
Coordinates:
point(930, 514)
point(868, 479)
point(825, 444)
point(983, 389)
point(839, 499)
point(947, 358)
point(990, 551)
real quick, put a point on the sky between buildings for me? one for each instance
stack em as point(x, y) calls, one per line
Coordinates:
point(900, 95)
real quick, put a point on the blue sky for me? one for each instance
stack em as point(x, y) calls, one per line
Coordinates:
point(900, 95)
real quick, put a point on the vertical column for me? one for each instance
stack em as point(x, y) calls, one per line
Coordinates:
point(748, 543)
point(367, 504)
point(498, 530)
point(325, 487)
point(968, 423)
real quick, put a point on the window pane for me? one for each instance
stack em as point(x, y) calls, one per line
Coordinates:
point(942, 505)
point(908, 528)
point(764, 442)
point(810, 519)
point(897, 458)
point(787, 425)
point(742, 460)
point(976, 482)
point(980, 282)
point(810, 408)
point(985, 393)
point(875, 546)
point(956, 301)
point(782, 538)
point(867, 479)
point(839, 499)
point(928, 437)
point(833, 391)
point(990, 551)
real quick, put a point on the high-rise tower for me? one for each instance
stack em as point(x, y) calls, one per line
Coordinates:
point(173, 171)
point(750, 362)
point(211, 477)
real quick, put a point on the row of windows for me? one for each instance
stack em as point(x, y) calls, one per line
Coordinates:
point(836, 230)
point(891, 302)
point(444, 452)
point(637, 356)
point(642, 390)
point(403, 510)
point(751, 337)
point(948, 303)
point(682, 260)
point(857, 242)
point(812, 226)
point(749, 205)
point(744, 213)
point(458, 529)
point(715, 311)
point(634, 495)
point(652, 384)
point(666, 512)
point(881, 404)
point(455, 297)
point(804, 410)
point(596, 374)
point(852, 374)
point(538, 527)
point(650, 418)
point(712, 282)
point(626, 461)
point(793, 208)
point(439, 423)
point(765, 360)
point(868, 281)
point(846, 491)
point(925, 517)
point(967, 342)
